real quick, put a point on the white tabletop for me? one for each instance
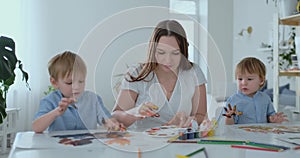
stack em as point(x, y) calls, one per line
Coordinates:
point(31, 145)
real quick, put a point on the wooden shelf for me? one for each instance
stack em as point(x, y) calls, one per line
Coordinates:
point(293, 20)
point(289, 73)
point(271, 49)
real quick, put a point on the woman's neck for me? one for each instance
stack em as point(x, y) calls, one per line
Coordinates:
point(166, 75)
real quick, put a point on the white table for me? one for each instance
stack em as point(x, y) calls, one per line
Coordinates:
point(31, 145)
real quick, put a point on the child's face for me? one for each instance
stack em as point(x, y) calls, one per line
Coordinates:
point(70, 86)
point(249, 84)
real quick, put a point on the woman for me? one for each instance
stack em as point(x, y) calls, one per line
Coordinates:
point(168, 80)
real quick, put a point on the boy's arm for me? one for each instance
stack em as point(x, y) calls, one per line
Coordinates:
point(43, 122)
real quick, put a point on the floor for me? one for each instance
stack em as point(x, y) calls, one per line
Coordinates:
point(4, 155)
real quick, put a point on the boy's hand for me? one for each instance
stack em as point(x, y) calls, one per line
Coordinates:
point(63, 105)
point(231, 111)
point(278, 118)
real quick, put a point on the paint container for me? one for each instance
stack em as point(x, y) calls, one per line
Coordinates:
point(197, 134)
point(296, 116)
point(190, 135)
point(182, 136)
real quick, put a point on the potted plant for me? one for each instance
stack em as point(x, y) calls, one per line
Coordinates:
point(288, 49)
point(8, 64)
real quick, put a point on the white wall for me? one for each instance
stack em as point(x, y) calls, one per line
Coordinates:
point(220, 47)
point(102, 32)
point(261, 21)
point(50, 27)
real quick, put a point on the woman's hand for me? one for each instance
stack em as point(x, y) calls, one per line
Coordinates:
point(278, 118)
point(113, 125)
point(181, 120)
point(147, 109)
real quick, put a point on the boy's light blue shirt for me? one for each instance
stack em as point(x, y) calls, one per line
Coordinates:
point(255, 109)
point(90, 111)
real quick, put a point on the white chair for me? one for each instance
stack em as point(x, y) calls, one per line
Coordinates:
point(8, 128)
point(3, 136)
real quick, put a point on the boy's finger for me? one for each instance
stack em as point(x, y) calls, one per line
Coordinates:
point(229, 106)
point(239, 113)
point(225, 109)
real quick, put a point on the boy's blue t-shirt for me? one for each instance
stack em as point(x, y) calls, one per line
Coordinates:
point(90, 112)
point(255, 109)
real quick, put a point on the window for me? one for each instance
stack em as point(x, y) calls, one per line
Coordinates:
point(186, 12)
point(183, 6)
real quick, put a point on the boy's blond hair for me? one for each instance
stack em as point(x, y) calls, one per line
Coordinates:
point(64, 64)
point(251, 65)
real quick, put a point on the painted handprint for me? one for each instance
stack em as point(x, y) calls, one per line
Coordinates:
point(231, 112)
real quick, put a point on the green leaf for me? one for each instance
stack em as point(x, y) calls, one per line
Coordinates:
point(8, 59)
point(8, 64)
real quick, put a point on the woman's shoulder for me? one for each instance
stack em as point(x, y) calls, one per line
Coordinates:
point(134, 69)
point(196, 73)
point(194, 68)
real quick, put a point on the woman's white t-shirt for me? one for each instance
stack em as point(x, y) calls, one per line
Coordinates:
point(149, 90)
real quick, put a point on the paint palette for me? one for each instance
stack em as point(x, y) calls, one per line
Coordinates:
point(163, 131)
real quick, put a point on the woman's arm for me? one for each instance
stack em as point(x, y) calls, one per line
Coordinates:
point(126, 101)
point(199, 109)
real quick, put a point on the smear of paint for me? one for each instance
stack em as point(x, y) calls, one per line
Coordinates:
point(121, 141)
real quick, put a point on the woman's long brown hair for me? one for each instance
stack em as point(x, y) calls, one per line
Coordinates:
point(164, 28)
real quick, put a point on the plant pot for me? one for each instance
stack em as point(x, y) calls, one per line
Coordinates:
point(297, 43)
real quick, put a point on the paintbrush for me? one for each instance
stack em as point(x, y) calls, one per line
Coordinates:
point(270, 146)
point(256, 148)
point(73, 104)
point(290, 142)
point(139, 153)
point(203, 141)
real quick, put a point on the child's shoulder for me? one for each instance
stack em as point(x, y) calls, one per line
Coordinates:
point(53, 94)
point(88, 93)
point(264, 94)
point(236, 97)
